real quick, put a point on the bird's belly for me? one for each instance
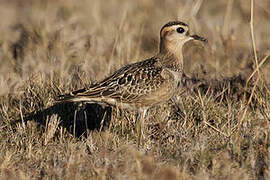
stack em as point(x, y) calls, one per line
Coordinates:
point(115, 102)
point(159, 96)
point(143, 102)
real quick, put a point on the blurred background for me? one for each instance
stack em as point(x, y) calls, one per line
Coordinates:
point(95, 37)
point(50, 47)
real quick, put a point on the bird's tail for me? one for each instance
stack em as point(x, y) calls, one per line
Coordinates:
point(71, 97)
point(63, 98)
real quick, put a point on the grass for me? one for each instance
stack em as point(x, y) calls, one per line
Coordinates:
point(219, 129)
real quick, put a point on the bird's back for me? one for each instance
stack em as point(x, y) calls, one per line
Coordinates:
point(141, 84)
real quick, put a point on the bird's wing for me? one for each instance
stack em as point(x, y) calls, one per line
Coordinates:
point(126, 84)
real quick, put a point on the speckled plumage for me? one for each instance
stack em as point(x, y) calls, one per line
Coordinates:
point(146, 83)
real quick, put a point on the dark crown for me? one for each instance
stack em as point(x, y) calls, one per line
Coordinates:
point(173, 23)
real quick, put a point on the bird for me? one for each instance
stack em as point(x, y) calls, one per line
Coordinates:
point(144, 84)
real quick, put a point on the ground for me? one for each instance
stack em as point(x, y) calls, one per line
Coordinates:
point(217, 128)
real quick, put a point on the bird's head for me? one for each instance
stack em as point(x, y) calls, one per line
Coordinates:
point(174, 35)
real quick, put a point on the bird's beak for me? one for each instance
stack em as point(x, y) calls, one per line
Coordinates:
point(196, 37)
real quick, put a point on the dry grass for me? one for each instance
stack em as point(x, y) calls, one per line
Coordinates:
point(218, 130)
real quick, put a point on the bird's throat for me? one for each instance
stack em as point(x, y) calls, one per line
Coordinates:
point(172, 56)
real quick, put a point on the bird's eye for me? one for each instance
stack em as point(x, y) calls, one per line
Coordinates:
point(180, 30)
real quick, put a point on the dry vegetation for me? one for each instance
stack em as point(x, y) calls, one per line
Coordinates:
point(218, 130)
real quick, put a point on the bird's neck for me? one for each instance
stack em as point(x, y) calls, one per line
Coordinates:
point(171, 56)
